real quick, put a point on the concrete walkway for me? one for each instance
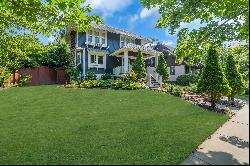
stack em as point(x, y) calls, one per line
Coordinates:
point(229, 145)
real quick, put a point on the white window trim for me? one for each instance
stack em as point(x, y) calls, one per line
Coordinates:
point(126, 39)
point(78, 49)
point(93, 37)
point(96, 65)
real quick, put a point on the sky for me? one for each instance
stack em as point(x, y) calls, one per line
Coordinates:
point(130, 15)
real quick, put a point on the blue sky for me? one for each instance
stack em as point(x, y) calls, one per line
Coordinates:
point(132, 16)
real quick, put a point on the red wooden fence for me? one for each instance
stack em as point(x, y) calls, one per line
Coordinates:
point(44, 75)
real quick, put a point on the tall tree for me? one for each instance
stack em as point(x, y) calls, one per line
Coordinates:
point(139, 66)
point(234, 77)
point(45, 16)
point(213, 80)
point(15, 50)
point(224, 20)
point(162, 68)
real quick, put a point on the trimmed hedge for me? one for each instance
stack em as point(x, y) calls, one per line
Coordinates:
point(186, 80)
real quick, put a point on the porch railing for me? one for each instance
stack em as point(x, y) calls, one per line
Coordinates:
point(151, 73)
point(119, 70)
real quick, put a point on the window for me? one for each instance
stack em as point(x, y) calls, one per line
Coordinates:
point(78, 57)
point(90, 39)
point(187, 70)
point(103, 40)
point(97, 61)
point(172, 70)
point(93, 59)
point(97, 38)
point(100, 60)
point(124, 40)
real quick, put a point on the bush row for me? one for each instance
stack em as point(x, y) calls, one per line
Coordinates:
point(113, 84)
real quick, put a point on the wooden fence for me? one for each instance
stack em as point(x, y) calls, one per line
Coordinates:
point(42, 76)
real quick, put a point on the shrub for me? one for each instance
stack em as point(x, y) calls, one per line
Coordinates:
point(24, 78)
point(130, 77)
point(106, 76)
point(90, 84)
point(90, 76)
point(139, 66)
point(185, 80)
point(117, 84)
point(4, 75)
point(162, 68)
point(177, 91)
point(213, 80)
point(134, 86)
point(234, 77)
point(73, 73)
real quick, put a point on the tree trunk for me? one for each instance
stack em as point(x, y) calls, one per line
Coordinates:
point(14, 76)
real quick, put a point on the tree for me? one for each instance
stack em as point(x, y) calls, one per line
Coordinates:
point(213, 80)
point(45, 16)
point(139, 66)
point(222, 21)
point(162, 68)
point(15, 50)
point(234, 77)
point(22, 20)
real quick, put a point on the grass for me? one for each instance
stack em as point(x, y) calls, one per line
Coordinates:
point(243, 97)
point(50, 125)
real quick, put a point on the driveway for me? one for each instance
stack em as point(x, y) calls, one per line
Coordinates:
point(229, 145)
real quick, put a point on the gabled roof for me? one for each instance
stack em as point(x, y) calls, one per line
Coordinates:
point(118, 31)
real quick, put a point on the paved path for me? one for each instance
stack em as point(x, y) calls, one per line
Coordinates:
point(229, 145)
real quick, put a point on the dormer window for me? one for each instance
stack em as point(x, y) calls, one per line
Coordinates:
point(124, 40)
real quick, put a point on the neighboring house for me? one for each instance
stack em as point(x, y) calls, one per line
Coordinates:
point(175, 70)
point(105, 49)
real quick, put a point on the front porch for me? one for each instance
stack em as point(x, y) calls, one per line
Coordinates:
point(128, 55)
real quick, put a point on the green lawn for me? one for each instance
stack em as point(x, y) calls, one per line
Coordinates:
point(243, 97)
point(50, 125)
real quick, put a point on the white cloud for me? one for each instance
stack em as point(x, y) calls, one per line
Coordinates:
point(149, 12)
point(169, 43)
point(133, 19)
point(109, 7)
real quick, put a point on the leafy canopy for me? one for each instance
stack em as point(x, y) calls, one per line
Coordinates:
point(45, 16)
point(224, 21)
point(21, 20)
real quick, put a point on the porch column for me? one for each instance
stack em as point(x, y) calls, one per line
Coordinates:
point(156, 61)
point(125, 61)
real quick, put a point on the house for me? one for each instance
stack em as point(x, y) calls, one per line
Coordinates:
point(176, 69)
point(105, 49)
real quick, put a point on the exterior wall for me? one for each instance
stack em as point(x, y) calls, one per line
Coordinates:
point(113, 44)
point(179, 70)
